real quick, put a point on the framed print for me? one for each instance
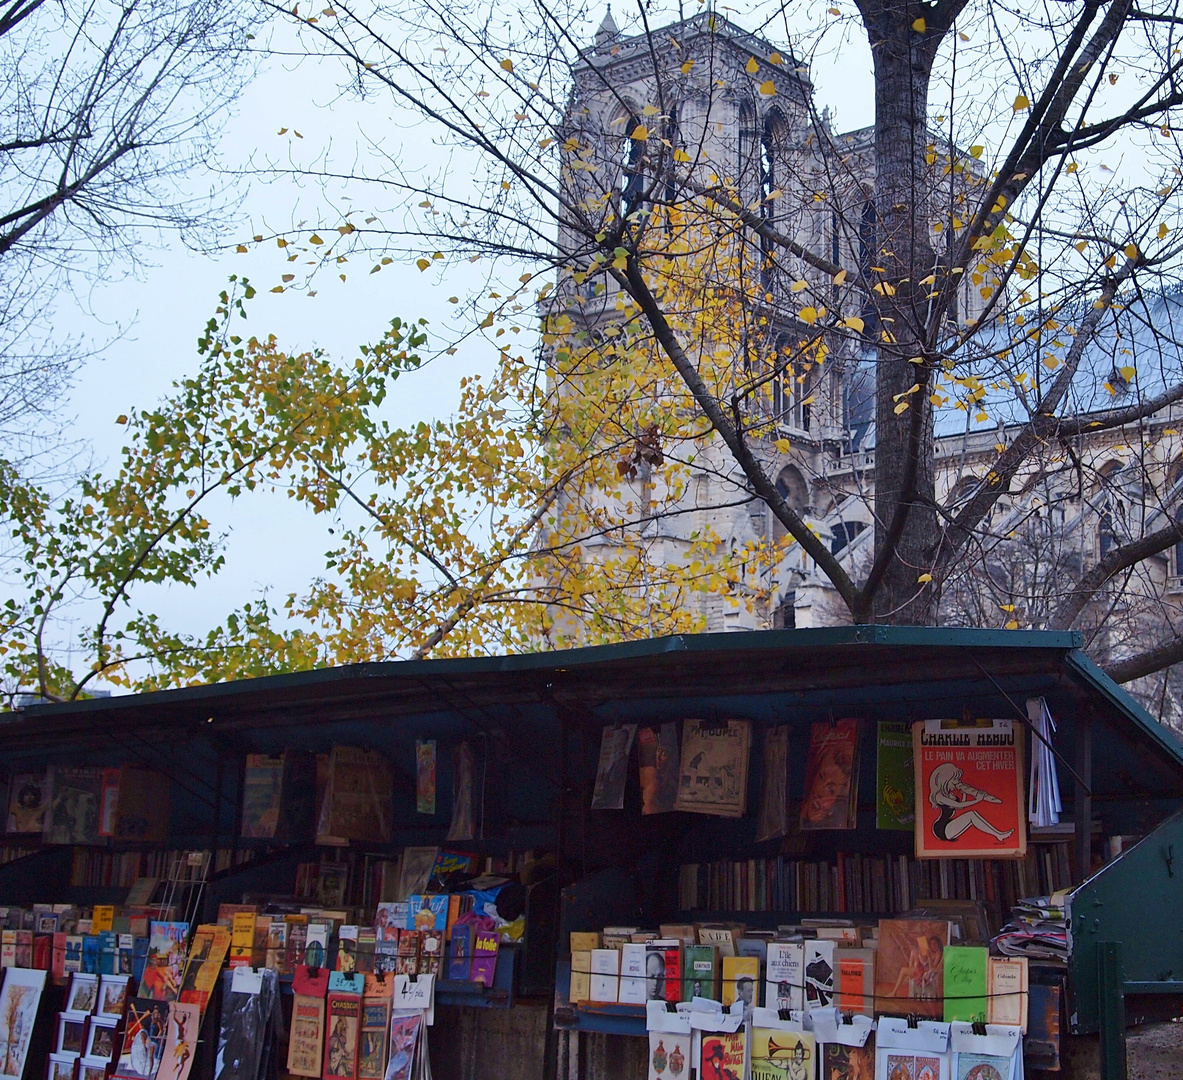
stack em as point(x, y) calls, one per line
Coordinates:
point(89, 1071)
point(60, 1067)
point(84, 993)
point(71, 1033)
point(19, 1000)
point(112, 996)
point(100, 1038)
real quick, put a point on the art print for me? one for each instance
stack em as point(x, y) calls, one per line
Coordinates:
point(616, 741)
point(909, 967)
point(723, 1056)
point(713, 778)
point(783, 1055)
point(28, 801)
point(831, 777)
point(143, 1039)
point(983, 1067)
point(669, 1056)
point(84, 993)
point(61, 1067)
point(848, 1062)
point(904, 1066)
point(404, 1038)
point(19, 1000)
point(657, 748)
point(969, 789)
point(100, 1039)
point(71, 1034)
point(180, 1043)
point(73, 816)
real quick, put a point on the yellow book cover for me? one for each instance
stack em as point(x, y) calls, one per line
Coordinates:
point(741, 975)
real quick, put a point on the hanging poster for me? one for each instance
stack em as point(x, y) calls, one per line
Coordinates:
point(612, 770)
point(895, 778)
point(669, 1055)
point(723, 1055)
point(463, 825)
point(714, 774)
point(831, 777)
point(180, 1043)
point(969, 789)
point(783, 1055)
point(658, 750)
point(774, 792)
point(19, 999)
point(425, 776)
point(28, 800)
point(910, 967)
point(207, 953)
point(404, 1038)
point(73, 816)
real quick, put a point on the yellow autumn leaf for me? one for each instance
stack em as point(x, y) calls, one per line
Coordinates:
point(1012, 625)
point(768, 89)
point(854, 323)
point(121, 418)
point(920, 25)
point(640, 133)
point(315, 239)
point(901, 407)
point(808, 315)
point(507, 64)
point(976, 151)
point(775, 58)
point(1071, 167)
point(834, 11)
point(680, 155)
point(924, 579)
point(783, 445)
point(840, 277)
point(1131, 251)
point(752, 66)
point(1007, 607)
point(1021, 103)
point(1163, 230)
point(798, 285)
point(1127, 373)
point(687, 66)
point(241, 249)
point(423, 264)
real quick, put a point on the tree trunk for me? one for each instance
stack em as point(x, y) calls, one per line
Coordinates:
point(906, 522)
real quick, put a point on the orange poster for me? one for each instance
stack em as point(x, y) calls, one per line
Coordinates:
point(969, 789)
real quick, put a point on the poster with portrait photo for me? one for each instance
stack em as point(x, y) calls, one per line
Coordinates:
point(73, 816)
point(28, 800)
point(969, 789)
point(831, 777)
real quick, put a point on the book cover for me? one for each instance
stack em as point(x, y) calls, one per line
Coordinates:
point(785, 1055)
point(700, 972)
point(713, 776)
point(427, 912)
point(724, 938)
point(723, 1055)
point(73, 960)
point(657, 748)
point(28, 802)
point(145, 803)
point(425, 776)
point(605, 973)
point(90, 953)
point(371, 1048)
point(297, 940)
point(346, 949)
point(632, 973)
point(848, 1062)
point(485, 944)
point(407, 962)
point(616, 741)
point(242, 938)
point(207, 953)
point(785, 975)
point(910, 967)
point(24, 948)
point(580, 975)
point(431, 952)
point(73, 815)
point(669, 1055)
point(741, 976)
point(161, 980)
point(895, 777)
point(819, 973)
point(277, 945)
point(57, 965)
point(180, 1042)
point(965, 983)
point(343, 1025)
point(404, 1041)
point(307, 1031)
point(143, 1039)
point(389, 918)
point(8, 948)
point(1008, 993)
point(367, 942)
point(663, 970)
point(855, 980)
point(460, 953)
point(831, 776)
point(246, 1031)
point(969, 789)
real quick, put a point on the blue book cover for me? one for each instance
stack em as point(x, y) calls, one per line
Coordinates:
point(139, 957)
point(460, 953)
point(108, 947)
point(90, 953)
point(73, 960)
point(125, 954)
point(427, 912)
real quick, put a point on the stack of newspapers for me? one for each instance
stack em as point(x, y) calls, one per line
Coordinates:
point(1038, 929)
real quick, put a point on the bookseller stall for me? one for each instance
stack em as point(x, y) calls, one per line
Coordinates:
point(903, 853)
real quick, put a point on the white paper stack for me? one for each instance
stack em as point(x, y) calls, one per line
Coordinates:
point(1043, 802)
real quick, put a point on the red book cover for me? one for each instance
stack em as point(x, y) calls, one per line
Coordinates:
point(484, 957)
point(407, 961)
point(673, 973)
point(57, 964)
point(342, 1025)
point(42, 951)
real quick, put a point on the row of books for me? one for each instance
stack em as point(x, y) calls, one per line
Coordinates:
point(97, 867)
point(898, 967)
point(887, 884)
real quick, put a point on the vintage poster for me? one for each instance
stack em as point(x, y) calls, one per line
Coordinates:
point(371, 1048)
point(783, 1055)
point(848, 1062)
point(262, 795)
point(983, 1067)
point(831, 776)
point(969, 789)
point(463, 826)
point(906, 1065)
point(73, 816)
point(616, 742)
point(166, 961)
point(404, 1039)
point(774, 792)
point(895, 777)
point(657, 748)
point(180, 1043)
point(357, 801)
point(307, 1035)
point(28, 800)
point(425, 776)
point(342, 1026)
point(713, 778)
point(207, 953)
point(143, 1039)
point(669, 1056)
point(19, 1000)
point(723, 1055)
point(910, 967)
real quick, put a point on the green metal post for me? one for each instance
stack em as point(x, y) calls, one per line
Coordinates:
point(1111, 1010)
